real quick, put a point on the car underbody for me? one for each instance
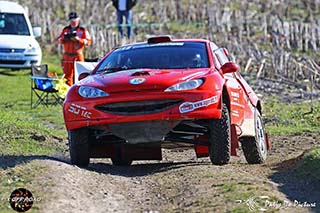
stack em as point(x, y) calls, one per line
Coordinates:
point(148, 135)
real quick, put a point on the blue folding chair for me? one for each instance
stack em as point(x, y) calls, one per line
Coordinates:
point(42, 87)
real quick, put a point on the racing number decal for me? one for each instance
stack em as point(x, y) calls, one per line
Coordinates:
point(79, 110)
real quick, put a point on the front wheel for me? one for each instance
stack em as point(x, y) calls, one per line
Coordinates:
point(79, 147)
point(255, 148)
point(220, 138)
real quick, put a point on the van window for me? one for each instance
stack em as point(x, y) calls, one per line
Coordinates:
point(13, 24)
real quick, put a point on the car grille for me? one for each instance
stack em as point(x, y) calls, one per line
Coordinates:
point(10, 50)
point(12, 62)
point(138, 107)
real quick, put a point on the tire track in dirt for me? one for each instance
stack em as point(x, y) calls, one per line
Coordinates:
point(81, 190)
point(181, 182)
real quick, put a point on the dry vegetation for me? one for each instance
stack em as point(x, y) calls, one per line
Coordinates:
point(275, 39)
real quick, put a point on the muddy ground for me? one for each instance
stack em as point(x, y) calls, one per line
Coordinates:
point(182, 183)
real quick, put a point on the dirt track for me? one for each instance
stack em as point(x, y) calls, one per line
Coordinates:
point(181, 183)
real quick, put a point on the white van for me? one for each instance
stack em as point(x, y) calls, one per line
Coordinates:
point(18, 46)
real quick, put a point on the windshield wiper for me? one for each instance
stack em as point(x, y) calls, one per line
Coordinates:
point(109, 70)
point(116, 69)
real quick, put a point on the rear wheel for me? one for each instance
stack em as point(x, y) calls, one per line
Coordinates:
point(120, 159)
point(220, 138)
point(121, 162)
point(255, 148)
point(79, 147)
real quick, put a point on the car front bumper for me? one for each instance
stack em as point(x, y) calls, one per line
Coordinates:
point(186, 106)
point(19, 61)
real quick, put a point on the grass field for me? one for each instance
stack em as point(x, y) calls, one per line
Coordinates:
point(26, 134)
point(291, 118)
point(21, 128)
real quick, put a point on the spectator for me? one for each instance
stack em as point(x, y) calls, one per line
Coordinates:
point(124, 10)
point(73, 38)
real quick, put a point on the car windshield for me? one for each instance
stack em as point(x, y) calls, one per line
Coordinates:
point(13, 24)
point(171, 55)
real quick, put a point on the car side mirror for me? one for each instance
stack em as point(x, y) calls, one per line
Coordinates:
point(229, 67)
point(83, 75)
point(36, 31)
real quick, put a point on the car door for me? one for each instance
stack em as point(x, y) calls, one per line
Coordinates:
point(235, 90)
point(248, 91)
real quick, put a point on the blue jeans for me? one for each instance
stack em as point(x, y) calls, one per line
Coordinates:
point(127, 15)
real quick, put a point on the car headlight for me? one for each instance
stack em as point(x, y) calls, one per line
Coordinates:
point(33, 50)
point(91, 92)
point(187, 85)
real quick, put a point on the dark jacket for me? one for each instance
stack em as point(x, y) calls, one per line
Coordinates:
point(129, 6)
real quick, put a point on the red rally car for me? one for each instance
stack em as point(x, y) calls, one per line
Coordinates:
point(164, 93)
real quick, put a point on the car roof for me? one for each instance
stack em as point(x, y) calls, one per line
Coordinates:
point(172, 40)
point(11, 7)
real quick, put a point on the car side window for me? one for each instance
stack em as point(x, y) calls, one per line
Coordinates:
point(216, 62)
point(221, 55)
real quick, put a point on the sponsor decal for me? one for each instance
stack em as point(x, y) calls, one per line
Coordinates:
point(136, 81)
point(235, 94)
point(235, 113)
point(79, 110)
point(191, 106)
point(237, 104)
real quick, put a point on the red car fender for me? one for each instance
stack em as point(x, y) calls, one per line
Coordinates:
point(233, 127)
point(218, 84)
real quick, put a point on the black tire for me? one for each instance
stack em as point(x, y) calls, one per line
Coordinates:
point(220, 138)
point(120, 159)
point(79, 147)
point(255, 148)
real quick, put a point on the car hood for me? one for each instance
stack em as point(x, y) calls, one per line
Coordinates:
point(17, 41)
point(142, 79)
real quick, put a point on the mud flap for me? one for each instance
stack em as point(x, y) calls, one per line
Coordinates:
point(234, 140)
point(267, 141)
point(248, 128)
point(202, 151)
